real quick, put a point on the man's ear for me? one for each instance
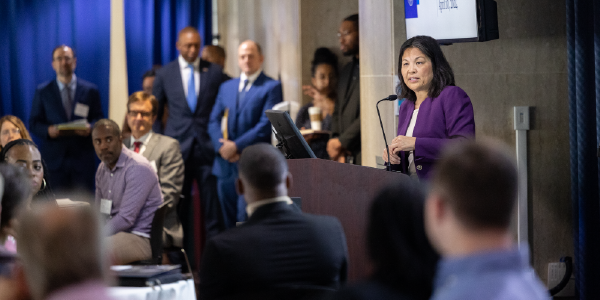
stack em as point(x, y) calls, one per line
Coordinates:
point(239, 186)
point(288, 180)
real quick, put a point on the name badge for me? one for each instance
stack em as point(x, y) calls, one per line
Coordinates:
point(82, 110)
point(105, 206)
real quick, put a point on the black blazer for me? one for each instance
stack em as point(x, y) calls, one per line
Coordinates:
point(278, 248)
point(184, 125)
point(47, 109)
point(346, 114)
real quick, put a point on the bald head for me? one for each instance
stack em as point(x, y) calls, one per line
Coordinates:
point(188, 43)
point(250, 57)
point(60, 247)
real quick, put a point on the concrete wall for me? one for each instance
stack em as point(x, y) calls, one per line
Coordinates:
point(527, 66)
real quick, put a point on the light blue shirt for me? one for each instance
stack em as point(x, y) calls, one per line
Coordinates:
point(499, 275)
point(72, 85)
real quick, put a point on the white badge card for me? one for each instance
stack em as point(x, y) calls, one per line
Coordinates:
point(105, 206)
point(82, 110)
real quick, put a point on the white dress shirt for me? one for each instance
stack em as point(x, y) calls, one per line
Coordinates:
point(185, 74)
point(144, 139)
point(409, 132)
point(252, 207)
point(251, 79)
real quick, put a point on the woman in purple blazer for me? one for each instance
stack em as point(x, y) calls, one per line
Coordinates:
point(434, 112)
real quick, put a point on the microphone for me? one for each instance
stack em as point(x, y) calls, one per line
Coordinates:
point(388, 98)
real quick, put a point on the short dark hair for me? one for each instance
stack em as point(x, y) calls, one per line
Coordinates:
point(142, 96)
point(17, 189)
point(11, 144)
point(262, 166)
point(108, 123)
point(151, 72)
point(443, 75)
point(324, 56)
point(397, 241)
point(62, 46)
point(478, 180)
point(354, 19)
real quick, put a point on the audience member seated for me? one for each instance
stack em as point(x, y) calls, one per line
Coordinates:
point(404, 260)
point(16, 193)
point(324, 82)
point(127, 193)
point(164, 155)
point(62, 253)
point(24, 153)
point(279, 253)
point(12, 128)
point(467, 217)
point(147, 83)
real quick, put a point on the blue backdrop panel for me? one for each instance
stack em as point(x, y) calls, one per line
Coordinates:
point(151, 29)
point(29, 30)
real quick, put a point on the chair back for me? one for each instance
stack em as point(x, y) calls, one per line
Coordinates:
point(156, 233)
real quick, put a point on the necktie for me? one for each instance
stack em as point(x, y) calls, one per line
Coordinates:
point(136, 146)
point(68, 103)
point(242, 93)
point(191, 92)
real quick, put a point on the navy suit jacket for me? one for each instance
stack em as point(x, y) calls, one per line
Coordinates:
point(184, 125)
point(247, 124)
point(47, 109)
point(279, 247)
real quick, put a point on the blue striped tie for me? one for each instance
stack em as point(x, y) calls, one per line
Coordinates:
point(242, 93)
point(191, 91)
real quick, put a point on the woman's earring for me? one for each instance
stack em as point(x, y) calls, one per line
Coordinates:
point(44, 184)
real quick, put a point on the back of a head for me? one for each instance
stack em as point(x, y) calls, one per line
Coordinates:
point(478, 180)
point(17, 189)
point(60, 247)
point(397, 244)
point(262, 166)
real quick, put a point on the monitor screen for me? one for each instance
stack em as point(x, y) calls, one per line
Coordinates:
point(291, 142)
point(444, 20)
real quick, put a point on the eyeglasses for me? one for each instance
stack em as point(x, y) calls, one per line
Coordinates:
point(135, 113)
point(9, 131)
point(345, 33)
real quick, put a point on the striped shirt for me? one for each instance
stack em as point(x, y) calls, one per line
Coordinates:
point(134, 190)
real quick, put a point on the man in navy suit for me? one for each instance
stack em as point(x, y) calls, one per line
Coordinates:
point(188, 87)
point(240, 107)
point(280, 252)
point(69, 154)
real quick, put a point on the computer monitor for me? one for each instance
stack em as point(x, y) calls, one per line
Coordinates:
point(291, 143)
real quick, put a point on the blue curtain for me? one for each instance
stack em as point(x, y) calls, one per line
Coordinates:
point(583, 49)
point(29, 31)
point(151, 29)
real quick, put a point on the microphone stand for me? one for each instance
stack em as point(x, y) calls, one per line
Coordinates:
point(387, 148)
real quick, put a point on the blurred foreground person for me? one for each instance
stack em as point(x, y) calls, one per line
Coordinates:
point(62, 253)
point(467, 218)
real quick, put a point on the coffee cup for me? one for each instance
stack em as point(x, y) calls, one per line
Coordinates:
point(315, 117)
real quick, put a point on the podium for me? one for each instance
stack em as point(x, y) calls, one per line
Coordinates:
point(344, 191)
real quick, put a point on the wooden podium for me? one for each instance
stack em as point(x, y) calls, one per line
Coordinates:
point(344, 191)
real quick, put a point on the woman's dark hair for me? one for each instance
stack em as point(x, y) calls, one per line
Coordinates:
point(324, 56)
point(45, 192)
point(443, 75)
point(16, 192)
point(397, 244)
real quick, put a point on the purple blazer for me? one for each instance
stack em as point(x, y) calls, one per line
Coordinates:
point(441, 119)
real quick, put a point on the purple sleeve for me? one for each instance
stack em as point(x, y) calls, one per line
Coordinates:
point(459, 124)
point(140, 181)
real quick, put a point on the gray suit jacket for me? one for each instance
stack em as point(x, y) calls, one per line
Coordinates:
point(163, 152)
